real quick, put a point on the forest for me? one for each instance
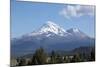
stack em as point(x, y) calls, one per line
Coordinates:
point(41, 57)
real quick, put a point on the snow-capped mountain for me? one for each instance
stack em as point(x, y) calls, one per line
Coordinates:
point(51, 37)
point(48, 28)
point(75, 32)
point(51, 27)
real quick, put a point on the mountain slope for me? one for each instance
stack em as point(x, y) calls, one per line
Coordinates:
point(51, 37)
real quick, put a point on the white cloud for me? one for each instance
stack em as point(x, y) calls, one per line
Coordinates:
point(77, 11)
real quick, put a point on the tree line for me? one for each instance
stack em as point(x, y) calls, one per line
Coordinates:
point(40, 57)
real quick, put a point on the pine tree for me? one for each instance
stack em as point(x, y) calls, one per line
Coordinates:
point(53, 57)
point(93, 55)
point(39, 57)
point(22, 62)
point(76, 58)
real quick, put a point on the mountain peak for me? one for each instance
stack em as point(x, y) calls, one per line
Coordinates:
point(50, 23)
point(50, 29)
point(50, 26)
point(75, 30)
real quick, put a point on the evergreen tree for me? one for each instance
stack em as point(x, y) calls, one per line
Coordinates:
point(53, 57)
point(39, 57)
point(22, 62)
point(76, 58)
point(93, 55)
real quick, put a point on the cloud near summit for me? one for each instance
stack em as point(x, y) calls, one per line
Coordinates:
point(77, 11)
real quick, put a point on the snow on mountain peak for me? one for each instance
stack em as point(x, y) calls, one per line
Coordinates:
point(51, 27)
point(76, 32)
point(73, 30)
point(50, 23)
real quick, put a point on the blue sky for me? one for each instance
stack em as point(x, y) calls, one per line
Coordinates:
point(28, 16)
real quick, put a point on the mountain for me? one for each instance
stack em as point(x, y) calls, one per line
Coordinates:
point(49, 28)
point(51, 37)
